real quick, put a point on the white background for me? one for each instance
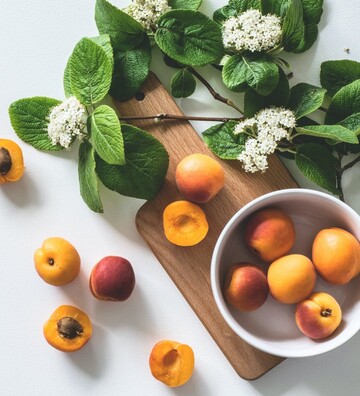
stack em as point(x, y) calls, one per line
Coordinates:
point(37, 37)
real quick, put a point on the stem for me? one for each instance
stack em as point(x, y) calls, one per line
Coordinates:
point(166, 116)
point(350, 164)
point(338, 172)
point(214, 94)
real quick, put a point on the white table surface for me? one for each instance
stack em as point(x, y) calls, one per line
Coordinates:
point(37, 37)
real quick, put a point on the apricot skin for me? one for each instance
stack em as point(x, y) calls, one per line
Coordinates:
point(199, 177)
point(246, 287)
point(270, 233)
point(336, 255)
point(112, 279)
point(171, 362)
point(291, 278)
point(318, 316)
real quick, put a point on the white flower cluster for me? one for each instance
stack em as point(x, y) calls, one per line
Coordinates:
point(66, 121)
point(147, 12)
point(270, 126)
point(252, 31)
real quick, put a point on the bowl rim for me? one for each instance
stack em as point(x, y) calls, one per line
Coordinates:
point(217, 291)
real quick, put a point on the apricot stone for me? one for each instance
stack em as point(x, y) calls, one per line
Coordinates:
point(318, 316)
point(199, 177)
point(336, 255)
point(246, 287)
point(291, 278)
point(270, 233)
point(172, 362)
point(112, 279)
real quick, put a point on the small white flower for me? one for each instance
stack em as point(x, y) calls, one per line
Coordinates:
point(251, 31)
point(66, 121)
point(268, 127)
point(147, 12)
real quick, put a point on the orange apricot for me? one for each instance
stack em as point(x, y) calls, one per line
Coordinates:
point(68, 329)
point(11, 161)
point(185, 223)
point(57, 262)
point(336, 255)
point(172, 362)
point(291, 278)
point(199, 177)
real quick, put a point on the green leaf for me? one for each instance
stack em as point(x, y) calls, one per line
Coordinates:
point(344, 103)
point(183, 84)
point(124, 31)
point(222, 140)
point(337, 133)
point(352, 122)
point(146, 166)
point(189, 37)
point(90, 72)
point(256, 71)
point(66, 80)
point(30, 118)
point(253, 102)
point(318, 165)
point(305, 98)
point(184, 4)
point(234, 8)
point(335, 75)
point(293, 26)
point(104, 42)
point(106, 135)
point(130, 71)
point(87, 177)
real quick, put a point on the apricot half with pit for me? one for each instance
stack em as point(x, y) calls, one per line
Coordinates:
point(112, 279)
point(11, 161)
point(172, 362)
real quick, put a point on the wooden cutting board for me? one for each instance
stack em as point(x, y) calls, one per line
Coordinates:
point(189, 267)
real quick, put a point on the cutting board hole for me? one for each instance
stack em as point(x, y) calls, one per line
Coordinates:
point(139, 96)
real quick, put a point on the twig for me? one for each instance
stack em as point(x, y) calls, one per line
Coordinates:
point(350, 164)
point(166, 116)
point(338, 173)
point(214, 94)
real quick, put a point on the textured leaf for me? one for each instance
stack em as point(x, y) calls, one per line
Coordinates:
point(293, 26)
point(106, 135)
point(189, 37)
point(90, 72)
point(184, 4)
point(87, 177)
point(222, 140)
point(338, 133)
point(29, 118)
point(183, 84)
point(234, 8)
point(305, 98)
point(146, 166)
point(318, 165)
point(66, 80)
point(335, 75)
point(256, 71)
point(352, 122)
point(344, 103)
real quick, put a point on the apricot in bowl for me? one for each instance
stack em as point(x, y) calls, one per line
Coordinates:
point(272, 327)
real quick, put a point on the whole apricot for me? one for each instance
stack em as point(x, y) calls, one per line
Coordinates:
point(172, 362)
point(246, 287)
point(57, 262)
point(291, 278)
point(68, 329)
point(112, 279)
point(199, 177)
point(318, 316)
point(270, 233)
point(336, 255)
point(11, 161)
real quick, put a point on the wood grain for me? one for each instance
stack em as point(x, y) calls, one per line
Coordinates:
point(189, 267)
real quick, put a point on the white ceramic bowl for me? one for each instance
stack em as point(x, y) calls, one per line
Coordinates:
point(272, 327)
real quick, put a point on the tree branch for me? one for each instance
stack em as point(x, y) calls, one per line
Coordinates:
point(350, 164)
point(166, 116)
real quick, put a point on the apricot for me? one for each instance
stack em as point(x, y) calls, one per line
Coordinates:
point(318, 316)
point(270, 233)
point(246, 287)
point(291, 278)
point(172, 362)
point(336, 255)
point(184, 223)
point(11, 161)
point(57, 262)
point(68, 329)
point(112, 279)
point(199, 177)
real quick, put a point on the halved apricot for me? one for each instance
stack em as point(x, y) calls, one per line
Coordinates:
point(11, 161)
point(185, 223)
